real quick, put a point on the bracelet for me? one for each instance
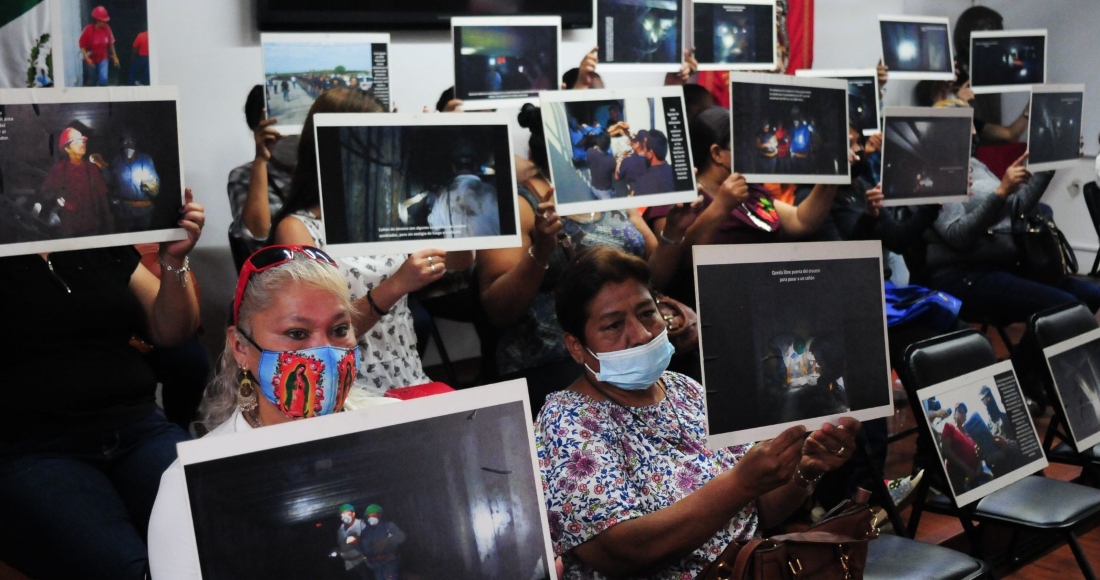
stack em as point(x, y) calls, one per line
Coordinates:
point(531, 252)
point(181, 272)
point(661, 237)
point(803, 482)
point(374, 305)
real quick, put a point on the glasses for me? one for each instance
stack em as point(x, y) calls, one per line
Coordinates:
point(268, 258)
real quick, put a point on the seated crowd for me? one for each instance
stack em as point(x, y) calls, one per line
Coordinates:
point(631, 487)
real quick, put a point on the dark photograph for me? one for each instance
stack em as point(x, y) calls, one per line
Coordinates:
point(1054, 136)
point(75, 170)
point(925, 158)
point(505, 62)
point(299, 67)
point(640, 32)
point(982, 432)
point(616, 149)
point(416, 182)
point(791, 341)
point(914, 46)
point(105, 42)
point(790, 133)
point(1076, 374)
point(863, 103)
point(448, 497)
point(734, 33)
point(997, 59)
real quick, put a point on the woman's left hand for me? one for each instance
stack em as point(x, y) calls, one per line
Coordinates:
point(829, 447)
point(192, 219)
point(689, 67)
point(680, 218)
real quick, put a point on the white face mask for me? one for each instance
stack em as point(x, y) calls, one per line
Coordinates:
point(635, 369)
point(129, 153)
point(372, 521)
point(345, 518)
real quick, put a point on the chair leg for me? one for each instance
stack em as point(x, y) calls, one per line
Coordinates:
point(1079, 554)
point(976, 535)
point(879, 484)
point(1095, 264)
point(447, 366)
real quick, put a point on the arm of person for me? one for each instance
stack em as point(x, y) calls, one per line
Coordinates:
point(171, 306)
point(652, 541)
point(1000, 134)
point(256, 213)
point(114, 55)
point(804, 219)
point(510, 277)
point(961, 224)
point(586, 70)
point(173, 553)
point(688, 68)
point(665, 256)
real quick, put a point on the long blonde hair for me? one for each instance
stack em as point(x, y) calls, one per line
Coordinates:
point(220, 399)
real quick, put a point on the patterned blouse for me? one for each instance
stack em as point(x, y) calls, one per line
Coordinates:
point(538, 339)
point(603, 464)
point(387, 352)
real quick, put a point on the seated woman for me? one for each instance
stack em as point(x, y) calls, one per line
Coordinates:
point(80, 458)
point(289, 300)
point(379, 285)
point(632, 489)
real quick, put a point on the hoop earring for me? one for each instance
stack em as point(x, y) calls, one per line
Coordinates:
point(246, 391)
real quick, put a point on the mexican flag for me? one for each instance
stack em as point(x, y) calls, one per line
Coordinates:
point(25, 56)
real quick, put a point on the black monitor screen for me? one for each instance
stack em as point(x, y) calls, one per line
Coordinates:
point(386, 15)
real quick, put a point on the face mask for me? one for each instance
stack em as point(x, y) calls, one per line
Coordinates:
point(309, 382)
point(129, 153)
point(345, 518)
point(635, 369)
point(372, 521)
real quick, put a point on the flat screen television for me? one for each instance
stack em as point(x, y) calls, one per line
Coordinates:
point(388, 15)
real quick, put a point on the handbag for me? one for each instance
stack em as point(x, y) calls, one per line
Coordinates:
point(683, 324)
point(1044, 254)
point(833, 548)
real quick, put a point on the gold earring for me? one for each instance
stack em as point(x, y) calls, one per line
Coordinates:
point(246, 392)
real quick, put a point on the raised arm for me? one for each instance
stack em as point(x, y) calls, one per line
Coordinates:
point(510, 277)
point(256, 213)
point(804, 219)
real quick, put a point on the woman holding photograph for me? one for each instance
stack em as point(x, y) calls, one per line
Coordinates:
point(379, 285)
point(83, 448)
point(291, 310)
point(631, 487)
point(517, 284)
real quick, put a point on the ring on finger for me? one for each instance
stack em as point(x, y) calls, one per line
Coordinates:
point(431, 260)
point(433, 268)
point(840, 452)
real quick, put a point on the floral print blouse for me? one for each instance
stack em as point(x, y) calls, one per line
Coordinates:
point(603, 464)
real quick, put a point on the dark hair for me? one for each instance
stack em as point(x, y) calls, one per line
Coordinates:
point(530, 117)
point(710, 127)
point(569, 77)
point(923, 93)
point(304, 191)
point(603, 141)
point(593, 268)
point(444, 98)
point(974, 18)
point(657, 143)
point(960, 408)
point(254, 107)
point(696, 100)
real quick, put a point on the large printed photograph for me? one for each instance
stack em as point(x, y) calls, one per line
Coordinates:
point(640, 34)
point(863, 96)
point(1007, 60)
point(917, 48)
point(1075, 368)
point(299, 67)
point(1054, 130)
point(926, 155)
point(444, 487)
point(405, 182)
point(982, 431)
point(504, 61)
point(789, 129)
point(617, 149)
point(734, 34)
point(796, 334)
point(103, 42)
point(88, 168)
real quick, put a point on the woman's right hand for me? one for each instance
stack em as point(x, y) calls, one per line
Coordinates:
point(420, 269)
point(733, 192)
point(265, 137)
point(548, 225)
point(771, 464)
point(1015, 176)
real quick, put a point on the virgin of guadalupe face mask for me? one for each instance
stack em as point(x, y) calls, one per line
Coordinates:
point(309, 382)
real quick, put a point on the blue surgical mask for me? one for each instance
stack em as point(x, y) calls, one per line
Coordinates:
point(635, 369)
point(309, 382)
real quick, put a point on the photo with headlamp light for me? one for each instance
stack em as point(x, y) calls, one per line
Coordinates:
point(734, 33)
point(916, 47)
point(639, 31)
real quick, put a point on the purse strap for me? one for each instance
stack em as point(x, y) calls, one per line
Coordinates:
point(744, 557)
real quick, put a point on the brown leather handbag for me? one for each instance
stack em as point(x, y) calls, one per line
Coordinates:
point(834, 548)
point(683, 324)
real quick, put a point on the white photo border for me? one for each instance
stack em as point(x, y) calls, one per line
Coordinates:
point(715, 66)
point(1027, 33)
point(918, 75)
point(1044, 89)
point(476, 21)
point(888, 112)
point(1093, 335)
point(847, 74)
point(608, 66)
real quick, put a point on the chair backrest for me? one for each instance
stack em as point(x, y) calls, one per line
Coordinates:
point(1092, 201)
point(1060, 323)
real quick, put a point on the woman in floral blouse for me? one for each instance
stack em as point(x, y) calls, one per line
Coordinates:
point(631, 487)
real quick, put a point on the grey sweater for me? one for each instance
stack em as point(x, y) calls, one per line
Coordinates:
point(961, 234)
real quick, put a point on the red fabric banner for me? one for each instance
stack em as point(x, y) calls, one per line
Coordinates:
point(800, 32)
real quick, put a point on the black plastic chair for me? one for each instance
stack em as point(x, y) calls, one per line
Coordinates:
point(1092, 202)
point(1023, 505)
point(1047, 329)
point(892, 557)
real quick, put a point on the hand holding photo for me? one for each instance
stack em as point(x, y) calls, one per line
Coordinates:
point(1054, 132)
point(639, 35)
point(617, 149)
point(863, 101)
point(1007, 60)
point(735, 34)
point(983, 432)
point(505, 61)
point(299, 67)
point(403, 182)
point(1075, 368)
point(88, 168)
point(795, 334)
point(926, 155)
point(917, 48)
point(789, 129)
